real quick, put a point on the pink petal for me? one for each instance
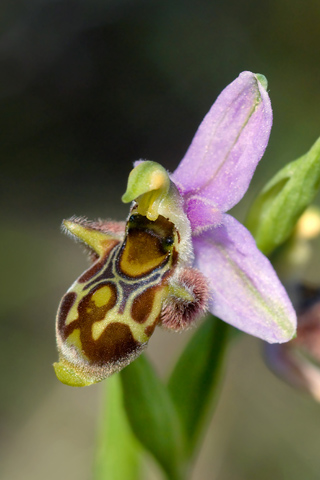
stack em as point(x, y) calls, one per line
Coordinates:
point(246, 291)
point(201, 214)
point(228, 145)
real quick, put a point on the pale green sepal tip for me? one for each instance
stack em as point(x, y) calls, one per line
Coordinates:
point(93, 238)
point(145, 177)
point(69, 377)
point(262, 79)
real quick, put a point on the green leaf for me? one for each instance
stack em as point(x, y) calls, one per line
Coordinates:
point(153, 417)
point(118, 451)
point(194, 380)
point(276, 210)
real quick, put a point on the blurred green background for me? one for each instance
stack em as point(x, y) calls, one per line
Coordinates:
point(86, 88)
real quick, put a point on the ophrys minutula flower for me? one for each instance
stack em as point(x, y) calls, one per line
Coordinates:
point(179, 253)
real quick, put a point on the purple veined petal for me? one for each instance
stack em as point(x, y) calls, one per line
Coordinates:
point(202, 214)
point(246, 291)
point(228, 145)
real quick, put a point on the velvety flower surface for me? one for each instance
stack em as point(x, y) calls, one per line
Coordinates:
point(212, 177)
point(143, 271)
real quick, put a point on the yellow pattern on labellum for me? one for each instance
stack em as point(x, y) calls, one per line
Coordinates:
point(102, 296)
point(74, 340)
point(99, 327)
point(73, 314)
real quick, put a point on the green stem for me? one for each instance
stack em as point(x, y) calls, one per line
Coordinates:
point(194, 383)
point(118, 452)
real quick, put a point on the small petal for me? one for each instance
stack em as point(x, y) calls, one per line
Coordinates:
point(228, 145)
point(246, 291)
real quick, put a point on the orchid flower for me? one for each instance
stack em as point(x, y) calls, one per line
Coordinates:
point(179, 253)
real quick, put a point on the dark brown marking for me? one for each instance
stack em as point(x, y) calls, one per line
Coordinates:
point(161, 227)
point(178, 235)
point(88, 274)
point(115, 343)
point(98, 265)
point(150, 329)
point(175, 256)
point(89, 313)
point(127, 290)
point(142, 305)
point(66, 304)
point(87, 318)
